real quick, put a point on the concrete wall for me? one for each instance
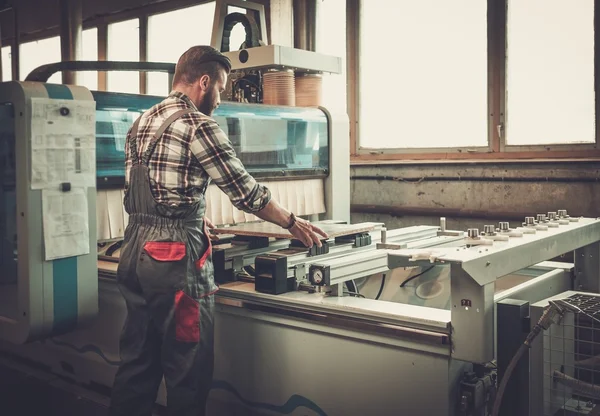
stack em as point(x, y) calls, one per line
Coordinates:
point(471, 195)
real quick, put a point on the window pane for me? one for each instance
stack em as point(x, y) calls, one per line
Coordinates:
point(423, 74)
point(37, 53)
point(331, 40)
point(124, 45)
point(194, 27)
point(89, 52)
point(550, 72)
point(6, 63)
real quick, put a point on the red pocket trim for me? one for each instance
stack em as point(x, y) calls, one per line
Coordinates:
point(165, 250)
point(202, 260)
point(187, 318)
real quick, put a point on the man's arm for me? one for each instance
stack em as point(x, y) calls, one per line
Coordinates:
point(213, 150)
point(301, 229)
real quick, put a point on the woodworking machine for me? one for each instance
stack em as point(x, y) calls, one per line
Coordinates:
point(374, 321)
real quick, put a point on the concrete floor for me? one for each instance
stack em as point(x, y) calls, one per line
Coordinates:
point(25, 391)
point(32, 391)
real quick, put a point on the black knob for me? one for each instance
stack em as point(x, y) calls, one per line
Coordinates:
point(64, 111)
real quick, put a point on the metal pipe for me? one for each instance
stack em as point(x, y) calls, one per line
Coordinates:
point(400, 211)
point(312, 14)
point(71, 32)
point(299, 11)
point(305, 24)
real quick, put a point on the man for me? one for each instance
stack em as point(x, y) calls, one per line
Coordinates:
point(165, 273)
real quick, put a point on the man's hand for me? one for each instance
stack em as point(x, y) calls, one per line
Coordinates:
point(302, 230)
point(210, 226)
point(307, 233)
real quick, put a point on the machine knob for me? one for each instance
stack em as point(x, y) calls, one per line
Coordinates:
point(504, 226)
point(473, 232)
point(489, 229)
point(552, 216)
point(562, 213)
point(529, 221)
point(541, 218)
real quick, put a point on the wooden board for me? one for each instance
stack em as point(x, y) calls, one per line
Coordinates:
point(266, 229)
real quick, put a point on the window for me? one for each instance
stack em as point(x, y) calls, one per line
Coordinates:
point(550, 93)
point(331, 40)
point(89, 52)
point(47, 51)
point(38, 53)
point(124, 45)
point(6, 63)
point(423, 74)
point(193, 27)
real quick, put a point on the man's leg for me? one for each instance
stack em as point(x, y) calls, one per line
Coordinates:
point(188, 355)
point(139, 375)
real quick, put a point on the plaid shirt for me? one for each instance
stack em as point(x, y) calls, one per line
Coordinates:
point(192, 152)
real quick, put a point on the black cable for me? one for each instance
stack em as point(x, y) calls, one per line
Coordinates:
point(415, 276)
point(381, 287)
point(111, 250)
point(354, 294)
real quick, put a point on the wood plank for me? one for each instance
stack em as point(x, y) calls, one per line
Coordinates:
point(265, 229)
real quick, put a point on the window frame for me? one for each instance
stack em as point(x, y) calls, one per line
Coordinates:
point(497, 148)
point(9, 44)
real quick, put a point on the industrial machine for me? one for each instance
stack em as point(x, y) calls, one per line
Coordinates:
point(377, 321)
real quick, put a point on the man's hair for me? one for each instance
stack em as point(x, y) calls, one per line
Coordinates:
point(198, 61)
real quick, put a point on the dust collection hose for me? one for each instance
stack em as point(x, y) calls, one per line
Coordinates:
point(552, 313)
point(578, 385)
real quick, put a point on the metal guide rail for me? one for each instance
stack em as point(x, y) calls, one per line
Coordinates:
point(338, 261)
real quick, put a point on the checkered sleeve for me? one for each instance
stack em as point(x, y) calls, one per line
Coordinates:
point(213, 150)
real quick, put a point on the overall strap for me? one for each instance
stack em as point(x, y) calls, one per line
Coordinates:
point(160, 131)
point(132, 138)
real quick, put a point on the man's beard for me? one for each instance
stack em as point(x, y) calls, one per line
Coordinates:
point(207, 105)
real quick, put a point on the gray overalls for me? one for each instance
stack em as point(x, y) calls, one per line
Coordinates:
point(166, 276)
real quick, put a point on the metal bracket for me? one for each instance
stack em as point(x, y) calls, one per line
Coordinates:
point(221, 8)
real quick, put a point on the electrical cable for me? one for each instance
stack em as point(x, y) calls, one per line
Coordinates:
point(356, 294)
point(415, 276)
point(381, 287)
point(113, 248)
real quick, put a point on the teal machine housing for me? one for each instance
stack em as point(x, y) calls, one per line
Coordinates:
point(38, 297)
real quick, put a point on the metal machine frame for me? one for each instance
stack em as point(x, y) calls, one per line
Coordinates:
point(475, 270)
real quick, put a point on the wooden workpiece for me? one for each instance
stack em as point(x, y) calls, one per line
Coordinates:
point(265, 229)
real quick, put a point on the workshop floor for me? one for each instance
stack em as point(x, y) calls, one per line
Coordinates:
point(25, 391)
point(29, 391)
